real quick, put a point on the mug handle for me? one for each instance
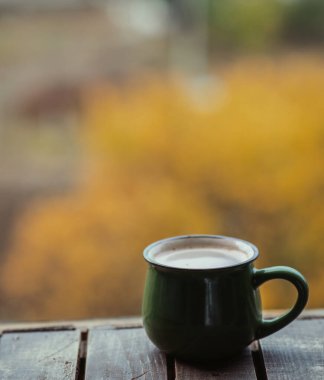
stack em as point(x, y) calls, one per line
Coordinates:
point(267, 327)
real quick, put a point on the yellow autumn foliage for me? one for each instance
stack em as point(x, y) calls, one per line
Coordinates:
point(241, 156)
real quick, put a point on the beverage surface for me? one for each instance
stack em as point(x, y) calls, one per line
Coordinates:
point(201, 258)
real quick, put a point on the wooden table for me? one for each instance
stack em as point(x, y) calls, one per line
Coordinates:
point(119, 349)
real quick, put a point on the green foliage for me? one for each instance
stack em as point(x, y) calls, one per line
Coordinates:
point(246, 25)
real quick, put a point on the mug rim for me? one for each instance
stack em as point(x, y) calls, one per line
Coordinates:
point(152, 261)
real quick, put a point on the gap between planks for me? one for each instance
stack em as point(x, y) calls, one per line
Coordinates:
point(82, 356)
point(258, 361)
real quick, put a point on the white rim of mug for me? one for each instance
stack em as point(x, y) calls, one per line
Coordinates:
point(151, 260)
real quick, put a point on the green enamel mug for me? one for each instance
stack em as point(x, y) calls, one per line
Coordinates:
point(201, 299)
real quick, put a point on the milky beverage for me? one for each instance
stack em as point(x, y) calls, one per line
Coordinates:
point(201, 258)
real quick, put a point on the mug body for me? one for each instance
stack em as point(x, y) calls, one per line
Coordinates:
point(202, 314)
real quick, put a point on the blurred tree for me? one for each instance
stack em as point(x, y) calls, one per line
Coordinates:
point(304, 22)
point(189, 36)
point(248, 164)
point(246, 25)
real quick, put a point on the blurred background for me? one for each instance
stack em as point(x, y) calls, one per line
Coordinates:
point(127, 121)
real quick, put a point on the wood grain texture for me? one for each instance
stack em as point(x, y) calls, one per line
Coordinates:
point(238, 368)
point(79, 324)
point(39, 355)
point(296, 352)
point(123, 354)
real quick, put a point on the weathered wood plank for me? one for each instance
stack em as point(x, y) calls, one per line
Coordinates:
point(296, 352)
point(39, 355)
point(123, 354)
point(238, 368)
point(79, 324)
point(306, 314)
